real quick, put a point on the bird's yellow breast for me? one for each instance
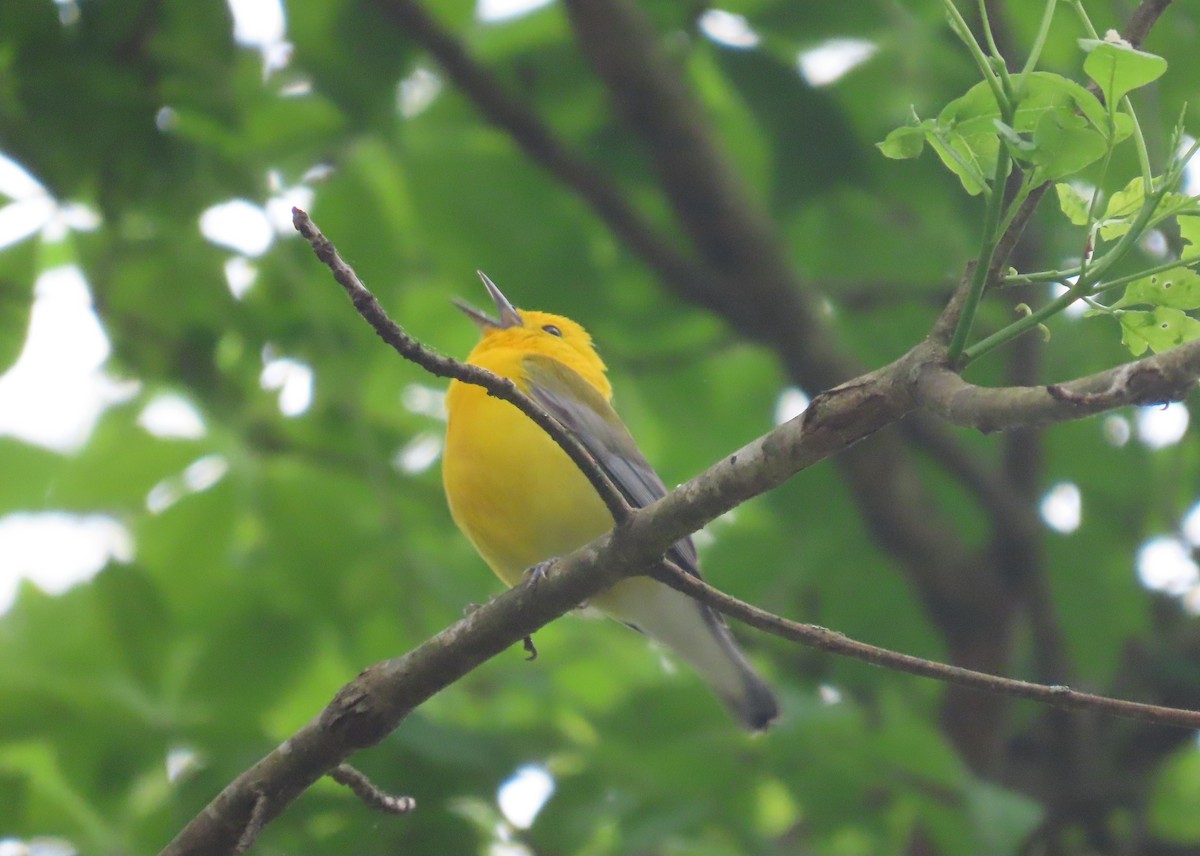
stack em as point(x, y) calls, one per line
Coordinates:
point(511, 489)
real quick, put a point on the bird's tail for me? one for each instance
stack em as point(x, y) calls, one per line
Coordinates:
point(700, 637)
point(742, 690)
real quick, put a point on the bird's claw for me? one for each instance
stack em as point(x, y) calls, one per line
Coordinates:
point(533, 576)
point(539, 572)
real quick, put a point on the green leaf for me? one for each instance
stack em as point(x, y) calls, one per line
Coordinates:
point(1072, 203)
point(1118, 68)
point(50, 792)
point(1159, 330)
point(965, 158)
point(965, 137)
point(1052, 94)
point(1189, 230)
point(28, 471)
point(1177, 287)
point(1058, 126)
point(972, 111)
point(1063, 144)
point(1125, 204)
point(137, 618)
point(1069, 125)
point(906, 142)
point(1122, 207)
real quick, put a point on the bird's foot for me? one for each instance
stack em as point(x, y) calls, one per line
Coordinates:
point(533, 576)
point(539, 572)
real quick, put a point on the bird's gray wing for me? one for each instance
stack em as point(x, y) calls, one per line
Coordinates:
point(583, 411)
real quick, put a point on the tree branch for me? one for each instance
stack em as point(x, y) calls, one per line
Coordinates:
point(1164, 377)
point(824, 639)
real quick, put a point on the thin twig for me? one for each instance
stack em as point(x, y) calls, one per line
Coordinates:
point(824, 639)
point(369, 793)
point(409, 348)
point(254, 824)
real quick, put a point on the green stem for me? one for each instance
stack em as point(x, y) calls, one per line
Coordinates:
point(1027, 322)
point(1039, 42)
point(1090, 230)
point(1188, 261)
point(1014, 207)
point(1064, 275)
point(1094, 205)
point(985, 68)
point(1099, 307)
point(1136, 229)
point(1001, 65)
point(1081, 288)
point(1083, 16)
point(1039, 276)
point(1140, 141)
point(983, 262)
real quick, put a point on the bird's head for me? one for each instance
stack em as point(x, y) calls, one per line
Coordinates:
point(528, 331)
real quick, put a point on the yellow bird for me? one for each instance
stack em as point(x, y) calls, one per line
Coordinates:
point(520, 500)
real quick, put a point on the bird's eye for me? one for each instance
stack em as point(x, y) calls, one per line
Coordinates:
point(552, 330)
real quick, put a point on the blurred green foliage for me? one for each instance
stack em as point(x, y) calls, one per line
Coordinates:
point(250, 602)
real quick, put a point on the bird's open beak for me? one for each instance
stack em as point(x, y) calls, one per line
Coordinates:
point(509, 317)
